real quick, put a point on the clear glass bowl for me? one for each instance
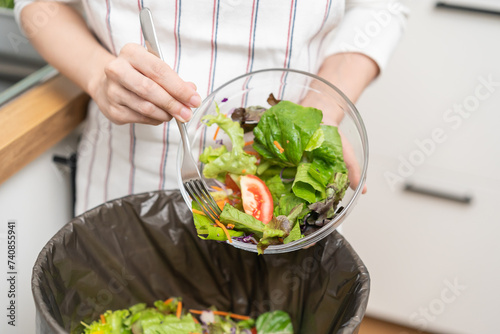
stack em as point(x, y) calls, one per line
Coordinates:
point(253, 89)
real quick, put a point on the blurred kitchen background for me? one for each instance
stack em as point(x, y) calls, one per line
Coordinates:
point(428, 227)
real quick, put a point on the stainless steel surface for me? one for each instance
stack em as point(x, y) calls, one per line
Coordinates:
point(13, 44)
point(21, 67)
point(193, 183)
point(16, 89)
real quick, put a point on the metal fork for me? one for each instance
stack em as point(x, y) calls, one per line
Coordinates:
point(193, 183)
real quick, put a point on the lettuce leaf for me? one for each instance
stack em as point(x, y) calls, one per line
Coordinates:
point(172, 325)
point(288, 126)
point(330, 150)
point(287, 203)
point(236, 161)
point(210, 153)
point(306, 187)
point(335, 191)
point(279, 228)
point(276, 187)
point(275, 322)
point(242, 221)
point(295, 234)
point(207, 231)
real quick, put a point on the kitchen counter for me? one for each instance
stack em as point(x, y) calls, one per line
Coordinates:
point(38, 119)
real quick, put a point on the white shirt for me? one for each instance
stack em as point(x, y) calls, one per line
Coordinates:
point(210, 42)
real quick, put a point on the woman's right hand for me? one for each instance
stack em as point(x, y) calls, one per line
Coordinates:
point(138, 87)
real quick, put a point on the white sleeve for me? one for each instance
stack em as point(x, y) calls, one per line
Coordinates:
point(18, 7)
point(39, 19)
point(370, 27)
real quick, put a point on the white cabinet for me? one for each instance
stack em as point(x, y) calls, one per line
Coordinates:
point(415, 247)
point(433, 120)
point(39, 199)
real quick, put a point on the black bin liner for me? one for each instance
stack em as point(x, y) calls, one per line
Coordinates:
point(144, 247)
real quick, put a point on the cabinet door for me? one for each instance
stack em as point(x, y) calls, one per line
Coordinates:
point(438, 101)
point(434, 263)
point(433, 120)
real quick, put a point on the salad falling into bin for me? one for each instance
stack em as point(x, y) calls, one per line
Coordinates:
point(278, 187)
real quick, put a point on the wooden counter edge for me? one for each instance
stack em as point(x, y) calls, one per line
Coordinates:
point(37, 120)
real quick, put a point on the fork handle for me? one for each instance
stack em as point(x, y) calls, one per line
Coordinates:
point(152, 45)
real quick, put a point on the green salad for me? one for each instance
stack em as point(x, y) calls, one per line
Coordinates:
point(169, 317)
point(7, 3)
point(283, 184)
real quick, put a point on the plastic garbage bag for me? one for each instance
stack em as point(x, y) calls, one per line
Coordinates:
point(144, 247)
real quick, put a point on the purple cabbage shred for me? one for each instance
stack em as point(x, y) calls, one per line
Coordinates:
point(249, 239)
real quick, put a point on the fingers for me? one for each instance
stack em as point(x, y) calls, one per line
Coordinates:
point(122, 106)
point(351, 164)
point(121, 114)
point(153, 80)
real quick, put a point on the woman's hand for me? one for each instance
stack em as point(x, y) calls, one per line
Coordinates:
point(134, 87)
point(138, 87)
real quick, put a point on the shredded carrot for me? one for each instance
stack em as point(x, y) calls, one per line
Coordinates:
point(103, 319)
point(198, 212)
point(216, 132)
point(217, 188)
point(278, 146)
point(232, 315)
point(243, 171)
point(252, 153)
point(222, 313)
point(196, 321)
point(222, 202)
point(218, 224)
point(225, 231)
point(230, 226)
point(179, 309)
point(248, 143)
point(168, 301)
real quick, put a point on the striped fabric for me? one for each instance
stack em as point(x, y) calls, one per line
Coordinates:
point(210, 42)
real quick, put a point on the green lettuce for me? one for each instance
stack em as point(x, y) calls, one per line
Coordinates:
point(242, 221)
point(330, 150)
point(276, 187)
point(307, 187)
point(335, 191)
point(207, 231)
point(162, 319)
point(220, 161)
point(289, 126)
point(210, 154)
point(170, 324)
point(279, 228)
point(275, 322)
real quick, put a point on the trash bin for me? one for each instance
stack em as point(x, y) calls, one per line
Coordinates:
point(142, 248)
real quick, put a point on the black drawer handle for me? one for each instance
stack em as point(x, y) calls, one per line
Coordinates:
point(465, 199)
point(445, 4)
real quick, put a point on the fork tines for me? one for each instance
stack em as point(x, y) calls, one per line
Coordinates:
point(199, 193)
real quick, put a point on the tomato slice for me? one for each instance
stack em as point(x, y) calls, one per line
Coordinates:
point(256, 197)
